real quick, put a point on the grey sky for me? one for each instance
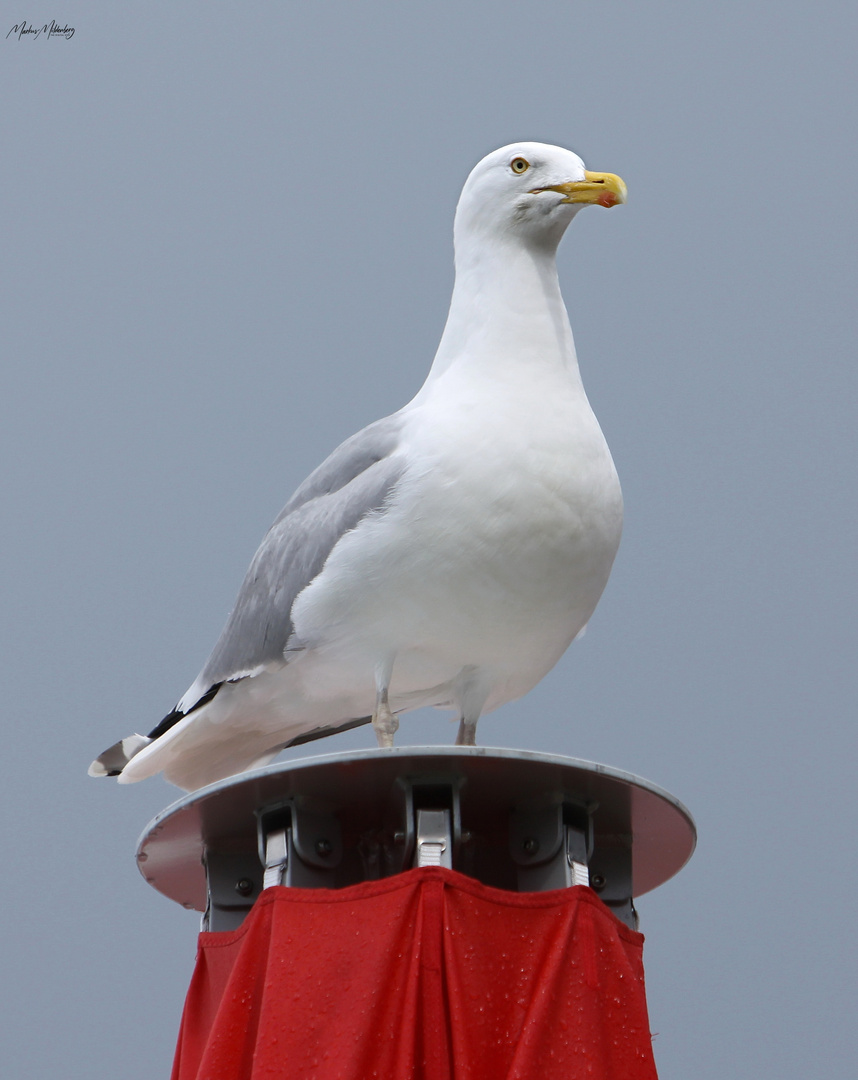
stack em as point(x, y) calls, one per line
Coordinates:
point(227, 245)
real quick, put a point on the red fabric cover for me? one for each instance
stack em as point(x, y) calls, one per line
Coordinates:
point(428, 975)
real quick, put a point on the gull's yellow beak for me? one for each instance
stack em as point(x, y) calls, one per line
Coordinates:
point(602, 188)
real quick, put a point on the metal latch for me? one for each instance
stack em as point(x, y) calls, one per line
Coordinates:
point(434, 840)
point(299, 847)
point(551, 846)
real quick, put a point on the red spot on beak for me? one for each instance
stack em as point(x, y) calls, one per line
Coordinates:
point(607, 198)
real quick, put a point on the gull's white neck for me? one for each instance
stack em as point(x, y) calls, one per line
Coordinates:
point(506, 310)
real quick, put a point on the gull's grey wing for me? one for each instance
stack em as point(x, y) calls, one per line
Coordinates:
point(353, 482)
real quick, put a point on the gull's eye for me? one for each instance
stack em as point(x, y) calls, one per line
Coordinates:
point(519, 165)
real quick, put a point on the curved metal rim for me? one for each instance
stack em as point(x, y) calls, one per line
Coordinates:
point(299, 764)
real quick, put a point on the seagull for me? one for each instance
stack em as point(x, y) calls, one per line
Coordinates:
point(446, 555)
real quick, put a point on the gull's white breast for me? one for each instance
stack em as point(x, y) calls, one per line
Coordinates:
point(491, 555)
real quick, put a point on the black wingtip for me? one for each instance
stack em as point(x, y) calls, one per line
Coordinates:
point(172, 718)
point(116, 757)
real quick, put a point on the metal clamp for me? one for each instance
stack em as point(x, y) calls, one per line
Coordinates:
point(551, 846)
point(298, 847)
point(434, 840)
point(428, 816)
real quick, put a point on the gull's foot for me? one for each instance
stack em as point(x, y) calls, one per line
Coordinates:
point(467, 735)
point(385, 724)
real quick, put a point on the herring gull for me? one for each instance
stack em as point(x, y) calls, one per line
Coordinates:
point(446, 555)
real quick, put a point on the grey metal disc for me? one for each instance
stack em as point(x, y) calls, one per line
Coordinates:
point(223, 816)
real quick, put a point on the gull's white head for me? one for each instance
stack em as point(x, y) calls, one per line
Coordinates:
point(531, 191)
